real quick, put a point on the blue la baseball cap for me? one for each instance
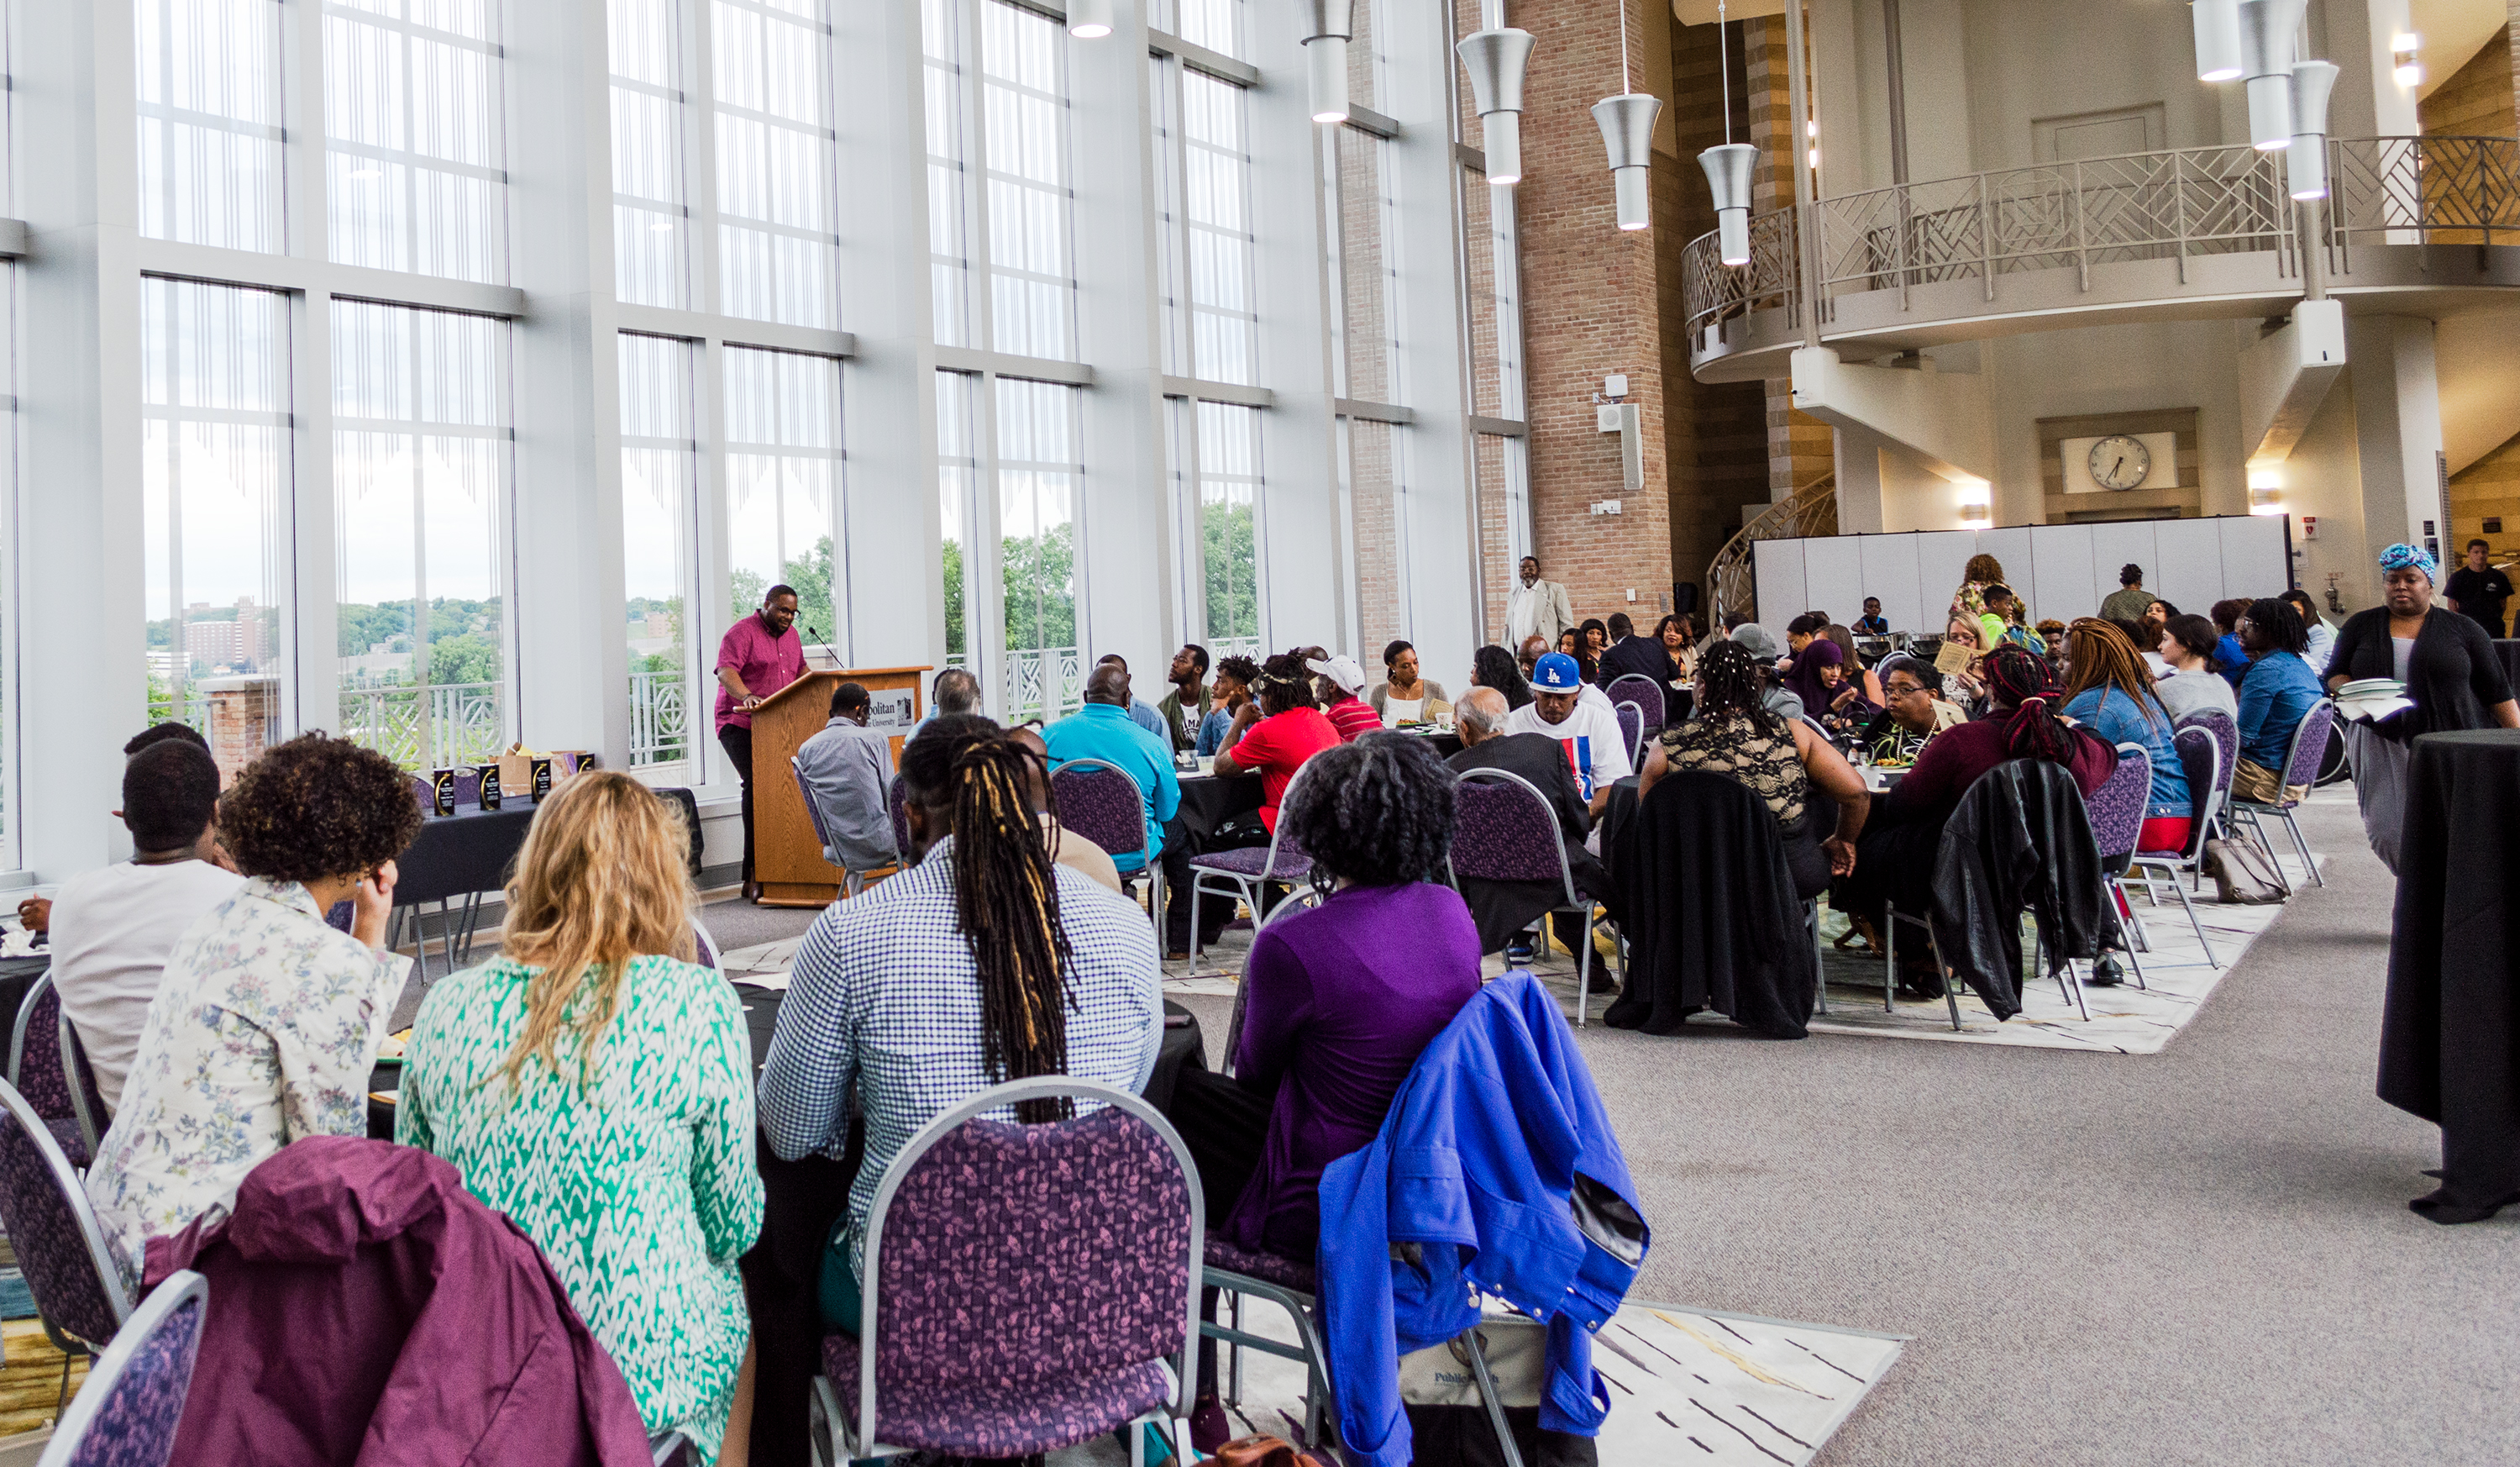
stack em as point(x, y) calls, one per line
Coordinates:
point(1556, 673)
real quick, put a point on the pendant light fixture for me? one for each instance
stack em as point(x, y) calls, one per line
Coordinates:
point(2312, 82)
point(1330, 26)
point(1089, 20)
point(2266, 31)
point(2218, 39)
point(1496, 58)
point(1626, 122)
point(1730, 167)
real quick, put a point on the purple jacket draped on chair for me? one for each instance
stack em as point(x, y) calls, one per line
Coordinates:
point(365, 1309)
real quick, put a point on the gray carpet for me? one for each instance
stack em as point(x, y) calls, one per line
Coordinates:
point(2200, 1256)
point(737, 923)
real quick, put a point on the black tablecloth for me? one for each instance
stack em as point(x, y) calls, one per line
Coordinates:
point(1207, 803)
point(2450, 1032)
point(470, 850)
point(17, 976)
point(2510, 648)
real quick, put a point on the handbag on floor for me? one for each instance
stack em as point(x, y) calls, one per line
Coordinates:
point(2245, 872)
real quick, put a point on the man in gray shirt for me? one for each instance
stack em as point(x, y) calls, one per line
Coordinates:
point(847, 770)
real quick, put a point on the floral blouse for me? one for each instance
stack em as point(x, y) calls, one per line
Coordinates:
point(263, 1033)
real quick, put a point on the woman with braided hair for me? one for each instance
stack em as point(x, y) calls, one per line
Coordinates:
point(1895, 858)
point(986, 961)
point(2110, 693)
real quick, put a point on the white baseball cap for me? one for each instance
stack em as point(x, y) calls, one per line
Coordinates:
point(1342, 669)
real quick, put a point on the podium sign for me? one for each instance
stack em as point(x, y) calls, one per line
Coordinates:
point(786, 858)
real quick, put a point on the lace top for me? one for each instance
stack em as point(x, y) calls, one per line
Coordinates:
point(1736, 748)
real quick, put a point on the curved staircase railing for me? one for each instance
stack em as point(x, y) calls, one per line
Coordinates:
point(1732, 577)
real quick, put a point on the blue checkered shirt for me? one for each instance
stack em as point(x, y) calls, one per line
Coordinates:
point(886, 1000)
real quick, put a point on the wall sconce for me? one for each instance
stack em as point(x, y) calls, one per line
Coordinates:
point(2266, 491)
point(1332, 26)
point(1810, 156)
point(1495, 60)
point(2266, 31)
point(1089, 20)
point(2311, 83)
point(1977, 501)
point(2403, 48)
point(1626, 124)
point(2218, 39)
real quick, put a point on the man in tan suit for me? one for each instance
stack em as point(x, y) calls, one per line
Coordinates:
point(1536, 607)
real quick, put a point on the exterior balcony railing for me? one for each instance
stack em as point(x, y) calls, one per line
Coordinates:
point(659, 725)
point(427, 727)
point(2208, 222)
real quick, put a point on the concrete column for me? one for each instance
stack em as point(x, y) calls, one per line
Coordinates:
point(2397, 417)
point(1858, 481)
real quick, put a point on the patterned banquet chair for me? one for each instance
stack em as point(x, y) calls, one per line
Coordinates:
point(1101, 802)
point(1504, 830)
point(2227, 750)
point(2200, 751)
point(1644, 692)
point(1243, 873)
point(1631, 732)
point(1027, 1287)
point(127, 1411)
point(2301, 767)
point(2117, 827)
point(852, 882)
point(41, 1070)
point(61, 1250)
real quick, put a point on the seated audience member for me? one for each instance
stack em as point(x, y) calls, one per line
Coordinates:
point(2051, 635)
point(1539, 761)
point(1596, 637)
point(1895, 858)
point(1273, 736)
point(985, 962)
point(1495, 668)
point(1812, 651)
point(2013, 617)
point(1102, 730)
point(35, 913)
point(1184, 709)
point(1066, 847)
point(2186, 644)
point(2274, 696)
point(1571, 644)
point(1914, 710)
point(112, 929)
point(1340, 680)
point(1233, 690)
point(1761, 644)
point(2323, 637)
point(1872, 624)
point(268, 1020)
point(1679, 635)
point(2230, 659)
point(1854, 695)
point(1141, 712)
point(1649, 658)
point(1779, 761)
point(1843, 636)
point(2112, 695)
point(1588, 733)
point(1529, 654)
point(1334, 1010)
point(848, 767)
point(956, 691)
point(594, 1083)
point(1404, 696)
point(1966, 686)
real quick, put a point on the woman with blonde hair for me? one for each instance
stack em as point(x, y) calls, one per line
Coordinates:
point(595, 1084)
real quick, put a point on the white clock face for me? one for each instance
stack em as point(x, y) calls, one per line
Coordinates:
point(2120, 462)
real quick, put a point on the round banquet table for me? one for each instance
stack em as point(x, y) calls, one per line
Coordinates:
point(2450, 1028)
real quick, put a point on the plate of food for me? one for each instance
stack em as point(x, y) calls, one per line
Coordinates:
point(390, 1052)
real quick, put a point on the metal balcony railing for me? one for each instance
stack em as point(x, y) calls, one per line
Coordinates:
point(1733, 576)
point(660, 723)
point(427, 727)
point(2179, 205)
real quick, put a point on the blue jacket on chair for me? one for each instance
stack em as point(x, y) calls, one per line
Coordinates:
point(1498, 1162)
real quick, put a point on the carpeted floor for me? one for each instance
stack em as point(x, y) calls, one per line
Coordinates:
point(2198, 1256)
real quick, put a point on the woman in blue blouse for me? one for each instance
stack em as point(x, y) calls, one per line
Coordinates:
point(2111, 694)
point(2275, 694)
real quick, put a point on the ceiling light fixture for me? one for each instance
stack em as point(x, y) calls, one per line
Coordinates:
point(1089, 20)
point(1731, 168)
point(1626, 124)
point(2312, 82)
point(2266, 31)
point(2218, 39)
point(1332, 27)
point(1496, 60)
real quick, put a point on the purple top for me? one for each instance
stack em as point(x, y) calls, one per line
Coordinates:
point(1338, 1002)
point(766, 664)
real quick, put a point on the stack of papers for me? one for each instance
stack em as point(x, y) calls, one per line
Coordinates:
point(2371, 700)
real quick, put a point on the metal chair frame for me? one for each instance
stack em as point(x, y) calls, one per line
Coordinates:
point(2063, 972)
point(1149, 867)
point(89, 1129)
point(1635, 741)
point(87, 1104)
point(1574, 904)
point(2111, 879)
point(835, 1440)
point(1662, 696)
point(76, 1417)
point(852, 881)
point(90, 1233)
point(1248, 889)
point(2156, 868)
point(2324, 713)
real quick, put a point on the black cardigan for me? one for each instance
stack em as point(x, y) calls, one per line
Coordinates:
point(2453, 676)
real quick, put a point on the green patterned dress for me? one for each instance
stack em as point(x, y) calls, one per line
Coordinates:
point(642, 1191)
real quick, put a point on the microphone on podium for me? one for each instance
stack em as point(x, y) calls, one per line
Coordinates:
point(824, 638)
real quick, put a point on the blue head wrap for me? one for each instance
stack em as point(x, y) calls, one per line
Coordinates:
point(2400, 557)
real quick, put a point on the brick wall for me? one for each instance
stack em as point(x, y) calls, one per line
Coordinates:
point(1592, 307)
point(1800, 447)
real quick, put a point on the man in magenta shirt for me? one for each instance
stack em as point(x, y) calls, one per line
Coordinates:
point(757, 658)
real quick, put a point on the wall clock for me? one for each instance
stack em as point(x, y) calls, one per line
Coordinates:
point(2120, 461)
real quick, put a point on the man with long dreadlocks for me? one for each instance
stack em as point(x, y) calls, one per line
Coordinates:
point(985, 962)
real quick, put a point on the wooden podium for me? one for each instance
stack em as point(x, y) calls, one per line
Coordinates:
point(786, 858)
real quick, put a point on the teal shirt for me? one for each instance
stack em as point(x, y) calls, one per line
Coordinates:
point(1110, 733)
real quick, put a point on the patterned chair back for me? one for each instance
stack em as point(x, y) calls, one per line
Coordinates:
point(2201, 753)
point(127, 1412)
point(1029, 1264)
point(1098, 801)
point(59, 1247)
point(813, 810)
point(1644, 692)
point(37, 1068)
point(1632, 730)
point(1504, 830)
point(2308, 747)
point(2117, 806)
point(896, 800)
point(705, 948)
point(2227, 743)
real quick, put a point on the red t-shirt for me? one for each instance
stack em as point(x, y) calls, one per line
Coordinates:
point(1353, 718)
point(1277, 746)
